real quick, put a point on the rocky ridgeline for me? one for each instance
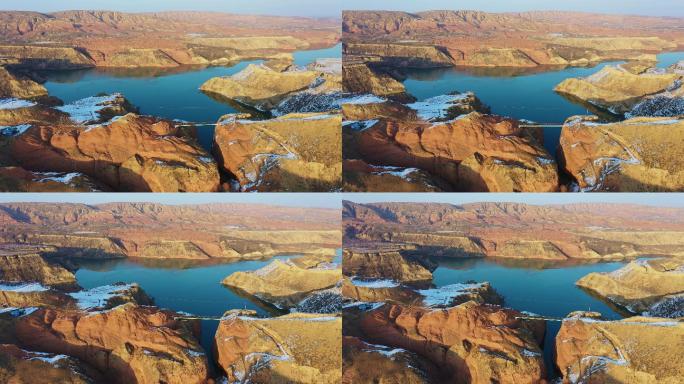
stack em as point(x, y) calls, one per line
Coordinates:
point(641, 154)
point(527, 39)
point(307, 284)
point(650, 287)
point(84, 39)
point(507, 230)
point(96, 144)
point(396, 330)
point(294, 348)
point(635, 349)
point(448, 142)
point(52, 329)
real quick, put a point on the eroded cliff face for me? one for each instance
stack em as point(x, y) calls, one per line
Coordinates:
point(624, 351)
point(644, 287)
point(295, 348)
point(132, 153)
point(400, 55)
point(261, 87)
point(361, 78)
point(28, 265)
point(470, 343)
point(474, 152)
point(30, 296)
point(230, 232)
point(126, 343)
point(620, 157)
point(385, 264)
point(47, 58)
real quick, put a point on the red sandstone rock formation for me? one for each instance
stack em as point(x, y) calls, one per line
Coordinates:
point(470, 343)
point(474, 152)
point(133, 153)
point(126, 344)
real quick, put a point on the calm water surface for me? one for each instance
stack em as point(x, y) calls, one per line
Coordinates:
point(182, 285)
point(518, 93)
point(169, 93)
point(541, 287)
point(179, 285)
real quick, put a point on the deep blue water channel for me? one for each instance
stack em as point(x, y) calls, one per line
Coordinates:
point(169, 93)
point(515, 92)
point(182, 285)
point(545, 288)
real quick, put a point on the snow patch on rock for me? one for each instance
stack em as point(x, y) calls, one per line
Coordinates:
point(12, 103)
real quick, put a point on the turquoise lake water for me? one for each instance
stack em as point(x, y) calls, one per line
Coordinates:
point(169, 93)
point(517, 93)
point(544, 288)
point(186, 286)
point(182, 285)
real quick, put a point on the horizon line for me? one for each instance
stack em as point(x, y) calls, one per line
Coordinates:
point(511, 12)
point(172, 10)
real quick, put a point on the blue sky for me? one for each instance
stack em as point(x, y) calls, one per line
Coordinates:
point(332, 8)
point(334, 200)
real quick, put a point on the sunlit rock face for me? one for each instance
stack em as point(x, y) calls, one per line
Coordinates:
point(474, 152)
point(593, 351)
point(291, 153)
point(618, 90)
point(361, 78)
point(620, 157)
point(643, 287)
point(470, 343)
point(265, 89)
point(128, 343)
point(130, 153)
point(305, 284)
point(17, 86)
point(391, 265)
point(295, 348)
